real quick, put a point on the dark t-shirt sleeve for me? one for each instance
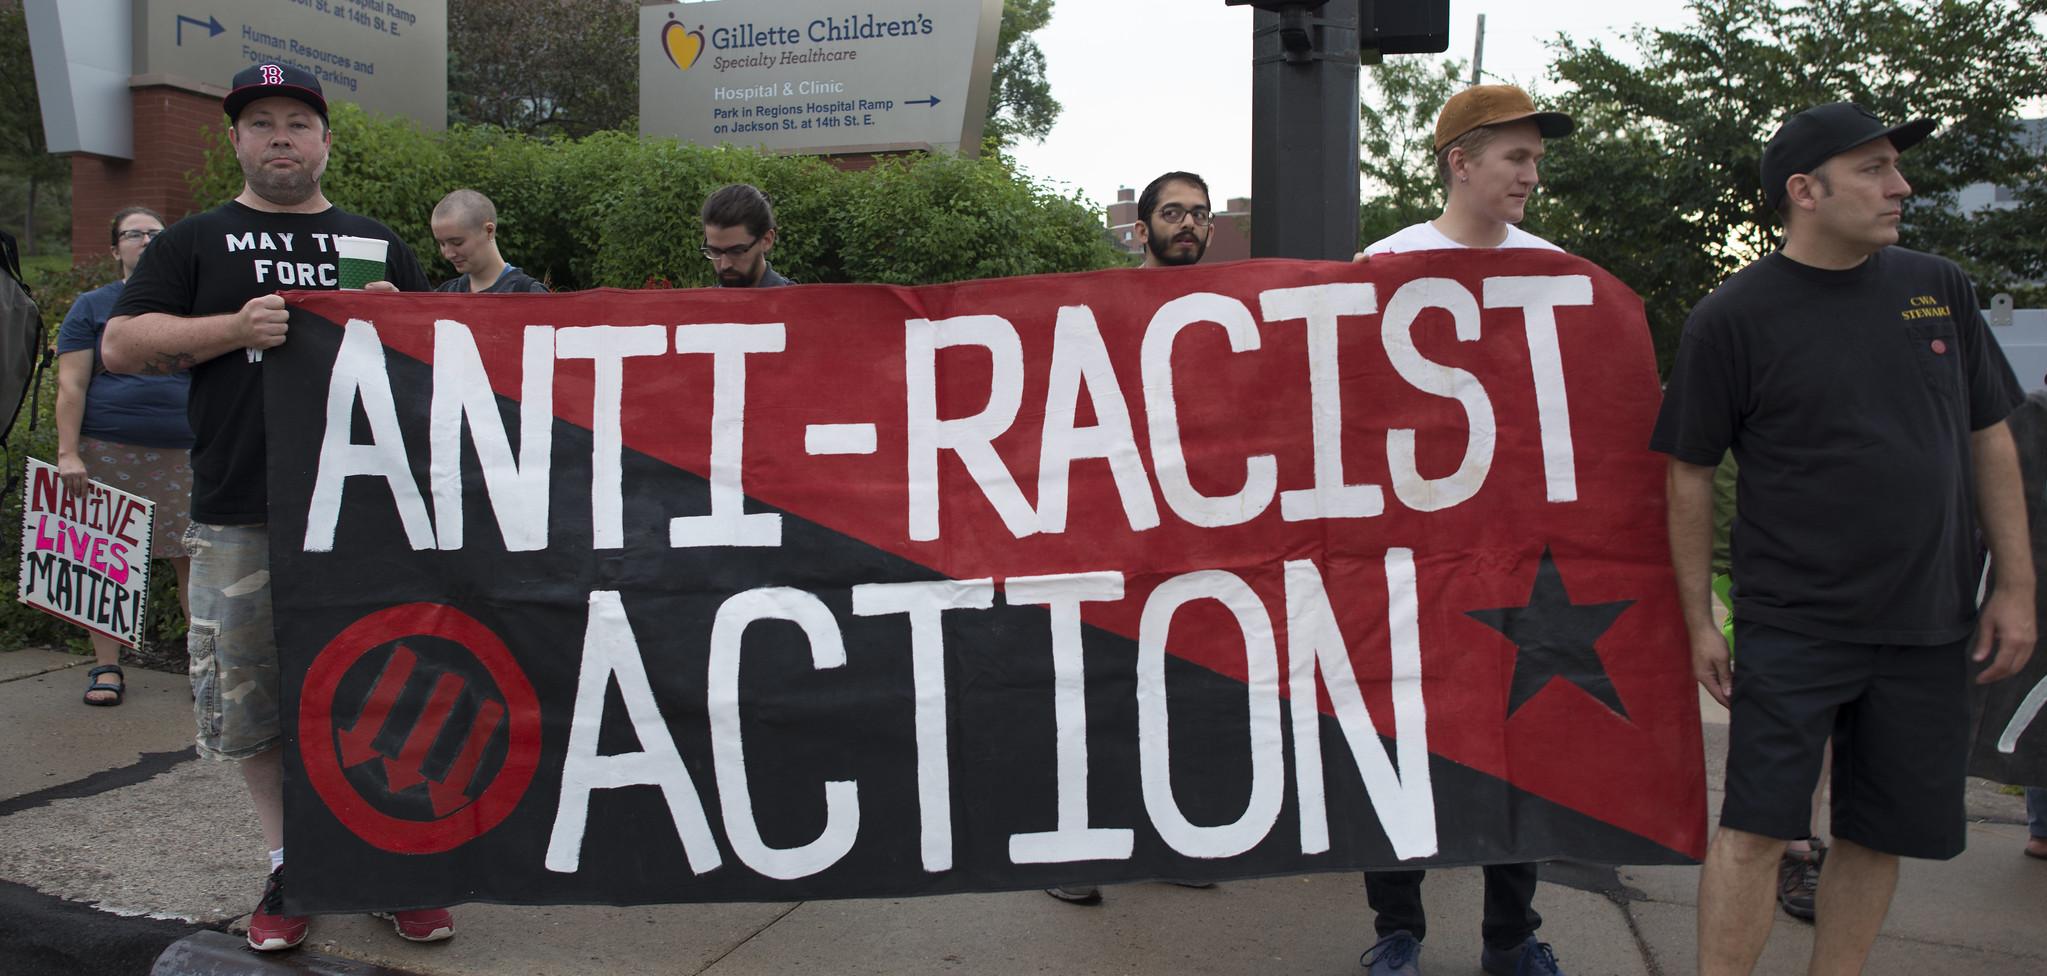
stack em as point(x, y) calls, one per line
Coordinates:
point(78, 331)
point(1994, 391)
point(162, 282)
point(404, 269)
point(1701, 404)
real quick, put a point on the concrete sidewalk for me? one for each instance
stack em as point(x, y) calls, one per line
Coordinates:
point(106, 807)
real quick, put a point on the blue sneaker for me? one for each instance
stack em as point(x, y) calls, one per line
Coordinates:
point(1399, 954)
point(1530, 958)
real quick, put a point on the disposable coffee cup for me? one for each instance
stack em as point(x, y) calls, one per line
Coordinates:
point(362, 260)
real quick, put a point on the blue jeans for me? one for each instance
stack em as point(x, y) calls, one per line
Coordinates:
point(2036, 810)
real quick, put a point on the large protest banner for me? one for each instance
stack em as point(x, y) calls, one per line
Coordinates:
point(2010, 740)
point(85, 555)
point(847, 590)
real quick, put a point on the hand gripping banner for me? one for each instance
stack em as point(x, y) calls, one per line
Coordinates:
point(846, 590)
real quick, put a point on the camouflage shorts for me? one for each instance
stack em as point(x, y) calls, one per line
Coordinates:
point(233, 648)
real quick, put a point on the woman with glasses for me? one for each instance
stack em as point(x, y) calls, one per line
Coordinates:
point(126, 431)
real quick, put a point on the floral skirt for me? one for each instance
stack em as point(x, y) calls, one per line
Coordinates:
point(161, 474)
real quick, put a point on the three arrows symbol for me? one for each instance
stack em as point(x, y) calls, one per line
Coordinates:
point(405, 770)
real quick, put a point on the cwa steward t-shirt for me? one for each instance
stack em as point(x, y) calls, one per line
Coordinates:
point(212, 264)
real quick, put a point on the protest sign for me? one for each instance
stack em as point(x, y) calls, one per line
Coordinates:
point(843, 590)
point(85, 557)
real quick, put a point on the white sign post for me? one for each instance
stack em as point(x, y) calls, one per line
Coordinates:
point(823, 76)
point(85, 558)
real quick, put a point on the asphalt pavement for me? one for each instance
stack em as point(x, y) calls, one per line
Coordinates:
point(122, 853)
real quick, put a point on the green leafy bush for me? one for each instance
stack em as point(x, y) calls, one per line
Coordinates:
point(612, 209)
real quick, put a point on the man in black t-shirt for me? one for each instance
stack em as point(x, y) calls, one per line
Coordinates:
point(204, 298)
point(1864, 399)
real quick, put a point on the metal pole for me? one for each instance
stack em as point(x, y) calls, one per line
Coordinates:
point(1304, 132)
point(1478, 51)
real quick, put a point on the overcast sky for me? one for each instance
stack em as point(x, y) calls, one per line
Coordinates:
point(1155, 85)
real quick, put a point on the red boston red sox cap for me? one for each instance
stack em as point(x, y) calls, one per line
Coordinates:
point(273, 79)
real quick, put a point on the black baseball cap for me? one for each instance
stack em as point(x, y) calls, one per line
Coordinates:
point(1807, 140)
point(273, 78)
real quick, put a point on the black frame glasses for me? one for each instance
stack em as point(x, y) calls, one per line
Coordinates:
point(735, 252)
point(138, 234)
point(1173, 213)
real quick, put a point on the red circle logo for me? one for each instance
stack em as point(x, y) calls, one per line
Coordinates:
point(417, 728)
point(1939, 347)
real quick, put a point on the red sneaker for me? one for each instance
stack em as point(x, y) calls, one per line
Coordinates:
point(422, 924)
point(269, 928)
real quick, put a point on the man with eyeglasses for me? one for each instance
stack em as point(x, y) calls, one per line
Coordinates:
point(1488, 142)
point(739, 231)
point(1173, 224)
point(1174, 221)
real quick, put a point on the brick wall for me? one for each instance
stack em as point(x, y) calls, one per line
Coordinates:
point(172, 129)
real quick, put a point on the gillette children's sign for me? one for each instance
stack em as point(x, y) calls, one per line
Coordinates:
point(830, 76)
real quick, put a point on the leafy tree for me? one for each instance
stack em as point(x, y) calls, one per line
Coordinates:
point(1397, 133)
point(545, 67)
point(1661, 183)
point(1020, 102)
point(28, 173)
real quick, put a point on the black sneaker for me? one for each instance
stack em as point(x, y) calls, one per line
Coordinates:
point(1077, 894)
point(1798, 880)
point(1530, 958)
point(1398, 954)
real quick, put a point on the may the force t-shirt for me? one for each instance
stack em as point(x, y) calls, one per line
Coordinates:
point(213, 264)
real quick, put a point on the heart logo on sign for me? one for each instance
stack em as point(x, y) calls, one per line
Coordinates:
point(684, 46)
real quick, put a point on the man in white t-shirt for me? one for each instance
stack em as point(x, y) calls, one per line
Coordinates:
point(1488, 142)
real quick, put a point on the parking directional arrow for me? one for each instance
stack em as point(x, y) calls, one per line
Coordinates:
point(933, 100)
point(211, 24)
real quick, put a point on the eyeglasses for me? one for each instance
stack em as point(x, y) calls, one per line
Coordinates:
point(1173, 213)
point(140, 235)
point(734, 252)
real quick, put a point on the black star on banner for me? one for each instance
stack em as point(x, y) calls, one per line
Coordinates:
point(1553, 639)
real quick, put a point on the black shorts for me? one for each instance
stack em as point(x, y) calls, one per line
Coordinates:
point(1899, 716)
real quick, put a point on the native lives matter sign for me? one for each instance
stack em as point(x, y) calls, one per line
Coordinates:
point(823, 76)
point(85, 557)
point(842, 590)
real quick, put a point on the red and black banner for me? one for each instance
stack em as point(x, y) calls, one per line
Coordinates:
point(846, 590)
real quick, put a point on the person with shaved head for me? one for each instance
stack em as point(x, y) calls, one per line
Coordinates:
point(465, 226)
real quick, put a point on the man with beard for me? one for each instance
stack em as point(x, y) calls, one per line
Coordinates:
point(204, 299)
point(1174, 221)
point(1488, 142)
point(739, 231)
point(1173, 224)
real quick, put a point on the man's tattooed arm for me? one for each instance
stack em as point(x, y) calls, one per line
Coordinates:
point(166, 363)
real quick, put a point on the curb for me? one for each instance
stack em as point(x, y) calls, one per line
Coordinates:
point(211, 953)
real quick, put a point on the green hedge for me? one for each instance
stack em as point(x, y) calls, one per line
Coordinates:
point(616, 210)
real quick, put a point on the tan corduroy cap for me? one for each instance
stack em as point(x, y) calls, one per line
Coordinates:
point(1483, 105)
